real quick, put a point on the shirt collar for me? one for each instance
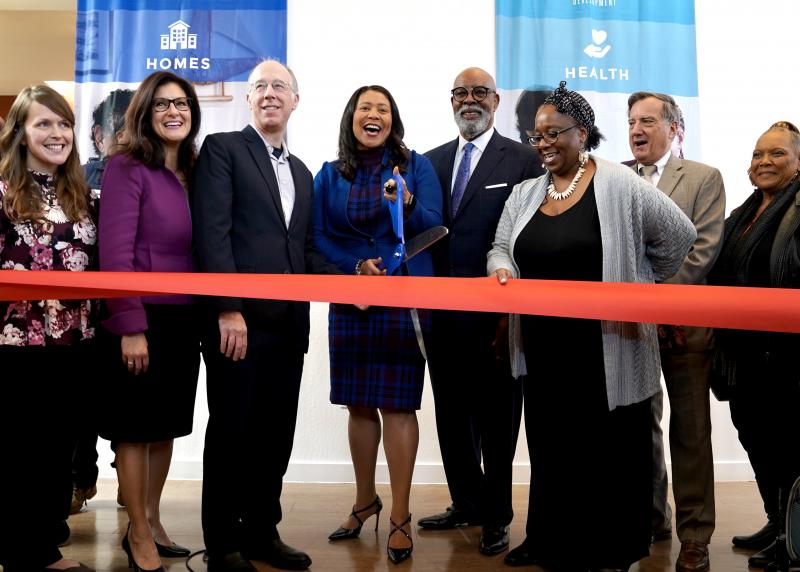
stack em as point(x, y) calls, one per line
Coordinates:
point(660, 164)
point(284, 156)
point(480, 142)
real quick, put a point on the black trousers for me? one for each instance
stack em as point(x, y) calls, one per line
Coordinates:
point(478, 413)
point(252, 406)
point(38, 395)
point(84, 458)
point(764, 405)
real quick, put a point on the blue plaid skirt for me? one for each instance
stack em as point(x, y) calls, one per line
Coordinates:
point(375, 358)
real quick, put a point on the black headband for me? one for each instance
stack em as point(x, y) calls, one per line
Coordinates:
point(573, 104)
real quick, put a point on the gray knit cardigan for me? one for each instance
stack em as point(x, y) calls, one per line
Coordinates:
point(645, 238)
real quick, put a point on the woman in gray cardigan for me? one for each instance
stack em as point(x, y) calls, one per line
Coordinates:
point(589, 382)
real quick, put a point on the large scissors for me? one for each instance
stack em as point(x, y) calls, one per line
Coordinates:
point(403, 252)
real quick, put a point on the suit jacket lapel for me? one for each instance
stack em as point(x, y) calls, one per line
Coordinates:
point(488, 160)
point(258, 151)
point(446, 177)
point(671, 175)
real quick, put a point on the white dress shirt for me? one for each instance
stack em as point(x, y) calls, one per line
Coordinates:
point(480, 143)
point(283, 172)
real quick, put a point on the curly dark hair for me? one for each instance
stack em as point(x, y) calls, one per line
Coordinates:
point(348, 147)
point(109, 115)
point(141, 142)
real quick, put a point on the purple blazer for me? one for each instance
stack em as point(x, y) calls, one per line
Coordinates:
point(145, 226)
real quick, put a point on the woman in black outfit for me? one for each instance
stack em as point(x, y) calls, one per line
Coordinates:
point(761, 248)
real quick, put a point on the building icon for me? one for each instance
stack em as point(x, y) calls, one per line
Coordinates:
point(179, 37)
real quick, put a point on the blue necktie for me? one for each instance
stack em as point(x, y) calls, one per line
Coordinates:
point(462, 176)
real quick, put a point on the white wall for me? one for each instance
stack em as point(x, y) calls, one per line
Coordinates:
point(747, 77)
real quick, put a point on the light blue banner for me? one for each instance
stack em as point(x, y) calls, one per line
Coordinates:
point(676, 12)
point(605, 49)
point(598, 48)
point(619, 56)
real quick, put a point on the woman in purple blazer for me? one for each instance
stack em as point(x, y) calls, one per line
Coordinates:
point(152, 352)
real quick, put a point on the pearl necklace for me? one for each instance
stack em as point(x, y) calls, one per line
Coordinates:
point(551, 188)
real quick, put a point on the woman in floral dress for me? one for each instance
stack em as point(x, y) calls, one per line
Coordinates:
point(46, 223)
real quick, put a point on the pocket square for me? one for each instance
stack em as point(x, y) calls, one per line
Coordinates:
point(497, 186)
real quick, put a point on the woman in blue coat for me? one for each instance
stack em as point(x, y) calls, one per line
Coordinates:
point(377, 368)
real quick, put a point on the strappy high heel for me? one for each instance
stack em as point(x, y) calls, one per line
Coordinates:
point(342, 533)
point(126, 546)
point(397, 555)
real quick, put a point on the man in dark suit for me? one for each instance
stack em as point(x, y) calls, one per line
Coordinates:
point(252, 205)
point(478, 403)
point(653, 120)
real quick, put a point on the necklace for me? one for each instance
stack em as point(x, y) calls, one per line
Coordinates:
point(551, 188)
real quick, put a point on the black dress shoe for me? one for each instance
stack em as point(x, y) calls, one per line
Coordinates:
point(764, 557)
point(758, 540)
point(450, 518)
point(280, 555)
point(172, 551)
point(231, 562)
point(520, 556)
point(494, 539)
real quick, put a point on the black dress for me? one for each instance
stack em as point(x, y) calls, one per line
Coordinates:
point(591, 473)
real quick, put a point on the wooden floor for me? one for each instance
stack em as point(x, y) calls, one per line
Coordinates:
point(311, 512)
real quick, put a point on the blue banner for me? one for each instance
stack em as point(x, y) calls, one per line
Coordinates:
point(212, 43)
point(201, 40)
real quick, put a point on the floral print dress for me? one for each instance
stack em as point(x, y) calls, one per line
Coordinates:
point(51, 243)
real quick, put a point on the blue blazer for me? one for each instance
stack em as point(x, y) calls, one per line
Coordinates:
point(344, 245)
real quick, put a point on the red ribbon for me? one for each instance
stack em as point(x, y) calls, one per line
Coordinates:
point(771, 309)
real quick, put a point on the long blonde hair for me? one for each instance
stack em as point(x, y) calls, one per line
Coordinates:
point(22, 199)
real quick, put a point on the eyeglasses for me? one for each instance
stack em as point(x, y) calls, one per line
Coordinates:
point(279, 87)
point(550, 137)
point(161, 104)
point(478, 92)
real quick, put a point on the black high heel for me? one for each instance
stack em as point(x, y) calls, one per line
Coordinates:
point(342, 533)
point(397, 555)
point(126, 546)
point(172, 551)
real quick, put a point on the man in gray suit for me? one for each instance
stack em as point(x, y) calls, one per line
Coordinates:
point(653, 120)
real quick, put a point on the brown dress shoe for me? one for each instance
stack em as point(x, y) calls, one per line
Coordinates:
point(693, 557)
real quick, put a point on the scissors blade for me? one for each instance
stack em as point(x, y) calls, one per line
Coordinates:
point(423, 240)
point(418, 331)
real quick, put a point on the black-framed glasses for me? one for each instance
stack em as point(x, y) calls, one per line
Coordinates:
point(550, 137)
point(161, 104)
point(479, 93)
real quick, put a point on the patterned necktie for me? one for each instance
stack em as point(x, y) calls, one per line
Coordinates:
point(647, 172)
point(462, 176)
